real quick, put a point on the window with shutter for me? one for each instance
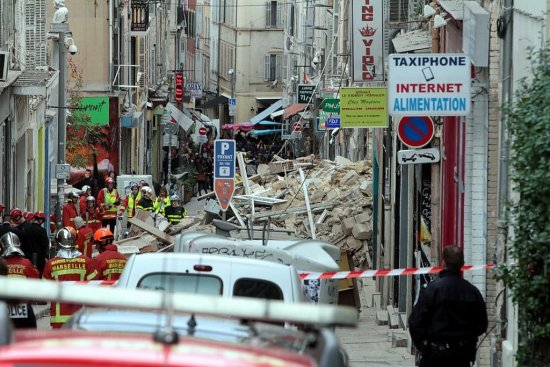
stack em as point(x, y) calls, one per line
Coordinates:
point(279, 19)
point(268, 14)
point(266, 68)
point(273, 67)
point(30, 35)
point(272, 15)
point(278, 67)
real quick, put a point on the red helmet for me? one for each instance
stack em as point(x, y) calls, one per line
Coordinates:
point(109, 180)
point(15, 212)
point(29, 216)
point(103, 234)
point(40, 215)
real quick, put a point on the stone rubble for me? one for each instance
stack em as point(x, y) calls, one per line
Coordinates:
point(340, 196)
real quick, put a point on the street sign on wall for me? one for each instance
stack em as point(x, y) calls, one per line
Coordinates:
point(415, 131)
point(232, 102)
point(331, 105)
point(368, 40)
point(418, 156)
point(305, 93)
point(224, 171)
point(429, 84)
point(363, 107)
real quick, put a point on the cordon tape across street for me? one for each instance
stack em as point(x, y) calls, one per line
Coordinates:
point(384, 272)
point(347, 274)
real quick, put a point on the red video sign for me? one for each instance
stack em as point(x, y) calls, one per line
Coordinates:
point(178, 94)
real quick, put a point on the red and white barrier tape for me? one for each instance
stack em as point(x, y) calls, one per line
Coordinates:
point(346, 274)
point(384, 272)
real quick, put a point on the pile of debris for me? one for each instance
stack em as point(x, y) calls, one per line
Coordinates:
point(307, 198)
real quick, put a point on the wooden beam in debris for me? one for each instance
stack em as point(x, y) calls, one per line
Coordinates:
point(308, 204)
point(151, 229)
point(300, 210)
point(260, 199)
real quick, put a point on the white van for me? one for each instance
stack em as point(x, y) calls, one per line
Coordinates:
point(215, 275)
point(304, 255)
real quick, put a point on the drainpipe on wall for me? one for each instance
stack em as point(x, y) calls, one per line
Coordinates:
point(505, 306)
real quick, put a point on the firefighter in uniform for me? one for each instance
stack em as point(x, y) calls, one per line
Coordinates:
point(174, 212)
point(129, 204)
point(84, 237)
point(70, 210)
point(21, 314)
point(92, 216)
point(146, 201)
point(86, 191)
point(108, 199)
point(68, 265)
point(109, 263)
point(18, 264)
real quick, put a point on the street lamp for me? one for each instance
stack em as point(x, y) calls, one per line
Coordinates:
point(60, 32)
point(232, 77)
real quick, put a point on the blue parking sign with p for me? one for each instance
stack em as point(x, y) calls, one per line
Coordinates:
point(224, 158)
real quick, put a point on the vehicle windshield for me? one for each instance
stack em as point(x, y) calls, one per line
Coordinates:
point(178, 282)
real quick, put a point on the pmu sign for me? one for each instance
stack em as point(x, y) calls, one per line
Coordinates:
point(224, 171)
point(429, 84)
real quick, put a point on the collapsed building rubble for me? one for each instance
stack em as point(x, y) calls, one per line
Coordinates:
point(305, 198)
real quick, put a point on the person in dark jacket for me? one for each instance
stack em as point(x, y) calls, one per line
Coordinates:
point(449, 317)
point(38, 241)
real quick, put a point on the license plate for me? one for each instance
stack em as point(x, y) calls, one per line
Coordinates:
point(19, 311)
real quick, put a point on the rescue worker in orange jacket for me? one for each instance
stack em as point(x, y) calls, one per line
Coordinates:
point(129, 204)
point(109, 263)
point(84, 237)
point(18, 264)
point(70, 210)
point(108, 198)
point(68, 265)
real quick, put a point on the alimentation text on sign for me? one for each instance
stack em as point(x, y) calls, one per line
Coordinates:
point(429, 84)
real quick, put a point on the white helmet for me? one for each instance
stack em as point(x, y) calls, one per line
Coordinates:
point(90, 198)
point(85, 188)
point(147, 191)
point(175, 198)
point(10, 245)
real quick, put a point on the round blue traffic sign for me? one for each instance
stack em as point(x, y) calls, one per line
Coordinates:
point(415, 131)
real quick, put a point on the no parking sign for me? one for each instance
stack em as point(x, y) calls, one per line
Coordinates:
point(415, 131)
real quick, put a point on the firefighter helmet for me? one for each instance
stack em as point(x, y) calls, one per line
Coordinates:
point(65, 238)
point(175, 198)
point(90, 198)
point(85, 188)
point(103, 236)
point(147, 191)
point(10, 245)
point(40, 215)
point(15, 212)
point(109, 180)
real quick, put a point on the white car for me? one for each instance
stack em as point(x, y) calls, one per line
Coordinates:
point(214, 275)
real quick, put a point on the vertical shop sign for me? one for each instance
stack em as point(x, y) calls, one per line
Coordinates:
point(368, 40)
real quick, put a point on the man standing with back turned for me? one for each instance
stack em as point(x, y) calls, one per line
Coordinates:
point(449, 317)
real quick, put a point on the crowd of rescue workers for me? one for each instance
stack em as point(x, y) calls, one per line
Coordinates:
point(87, 222)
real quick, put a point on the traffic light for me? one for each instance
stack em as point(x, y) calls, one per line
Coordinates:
point(179, 87)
